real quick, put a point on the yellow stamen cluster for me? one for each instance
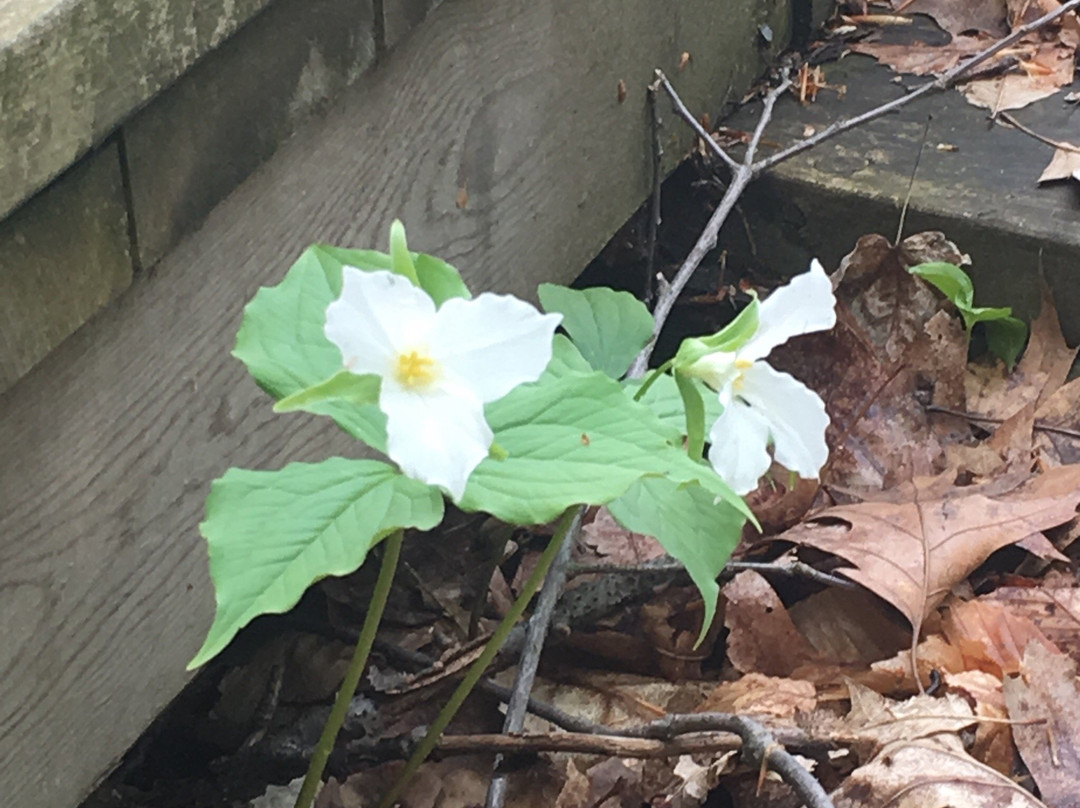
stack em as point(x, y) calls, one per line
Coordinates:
point(416, 370)
point(741, 365)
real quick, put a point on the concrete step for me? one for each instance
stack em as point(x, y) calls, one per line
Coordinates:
point(980, 188)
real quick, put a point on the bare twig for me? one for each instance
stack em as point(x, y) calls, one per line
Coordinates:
point(588, 744)
point(530, 657)
point(657, 182)
point(796, 569)
point(985, 419)
point(695, 124)
point(672, 736)
point(757, 742)
point(1049, 141)
point(743, 173)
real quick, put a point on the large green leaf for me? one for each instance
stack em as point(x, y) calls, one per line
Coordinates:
point(608, 327)
point(282, 343)
point(575, 439)
point(271, 534)
point(692, 529)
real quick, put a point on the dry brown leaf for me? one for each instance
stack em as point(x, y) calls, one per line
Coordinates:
point(615, 544)
point(672, 623)
point(1047, 689)
point(1060, 409)
point(757, 694)
point(1064, 165)
point(912, 553)
point(894, 675)
point(993, 743)
point(848, 627)
point(930, 773)
point(991, 637)
point(1013, 438)
point(761, 636)
point(891, 338)
point(1054, 611)
point(877, 721)
point(920, 59)
point(1041, 372)
point(613, 699)
point(958, 16)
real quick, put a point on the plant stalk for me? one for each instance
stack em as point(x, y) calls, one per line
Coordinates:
point(313, 778)
point(476, 671)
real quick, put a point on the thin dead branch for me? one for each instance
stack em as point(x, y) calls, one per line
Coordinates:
point(985, 419)
point(742, 174)
point(535, 635)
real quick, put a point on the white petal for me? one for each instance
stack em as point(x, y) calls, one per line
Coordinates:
point(739, 450)
point(795, 414)
point(492, 343)
point(806, 304)
point(378, 314)
point(438, 436)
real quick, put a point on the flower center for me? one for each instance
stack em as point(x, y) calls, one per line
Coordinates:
point(416, 370)
point(741, 365)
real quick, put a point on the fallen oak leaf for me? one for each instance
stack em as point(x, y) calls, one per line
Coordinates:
point(1046, 692)
point(1064, 165)
point(912, 553)
point(930, 773)
point(1054, 611)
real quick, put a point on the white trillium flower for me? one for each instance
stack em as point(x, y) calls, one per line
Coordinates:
point(763, 405)
point(438, 366)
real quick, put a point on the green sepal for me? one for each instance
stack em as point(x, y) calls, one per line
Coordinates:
point(401, 261)
point(694, 405)
point(342, 386)
point(730, 338)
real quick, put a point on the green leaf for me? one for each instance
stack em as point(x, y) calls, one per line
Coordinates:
point(666, 403)
point(1006, 338)
point(572, 440)
point(730, 338)
point(271, 534)
point(282, 343)
point(1005, 335)
point(690, 527)
point(342, 386)
point(566, 359)
point(609, 328)
point(950, 280)
point(695, 415)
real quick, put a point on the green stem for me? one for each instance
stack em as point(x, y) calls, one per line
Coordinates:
point(649, 382)
point(313, 778)
point(476, 671)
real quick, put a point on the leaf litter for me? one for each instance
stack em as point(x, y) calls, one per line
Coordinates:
point(1038, 65)
point(944, 674)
